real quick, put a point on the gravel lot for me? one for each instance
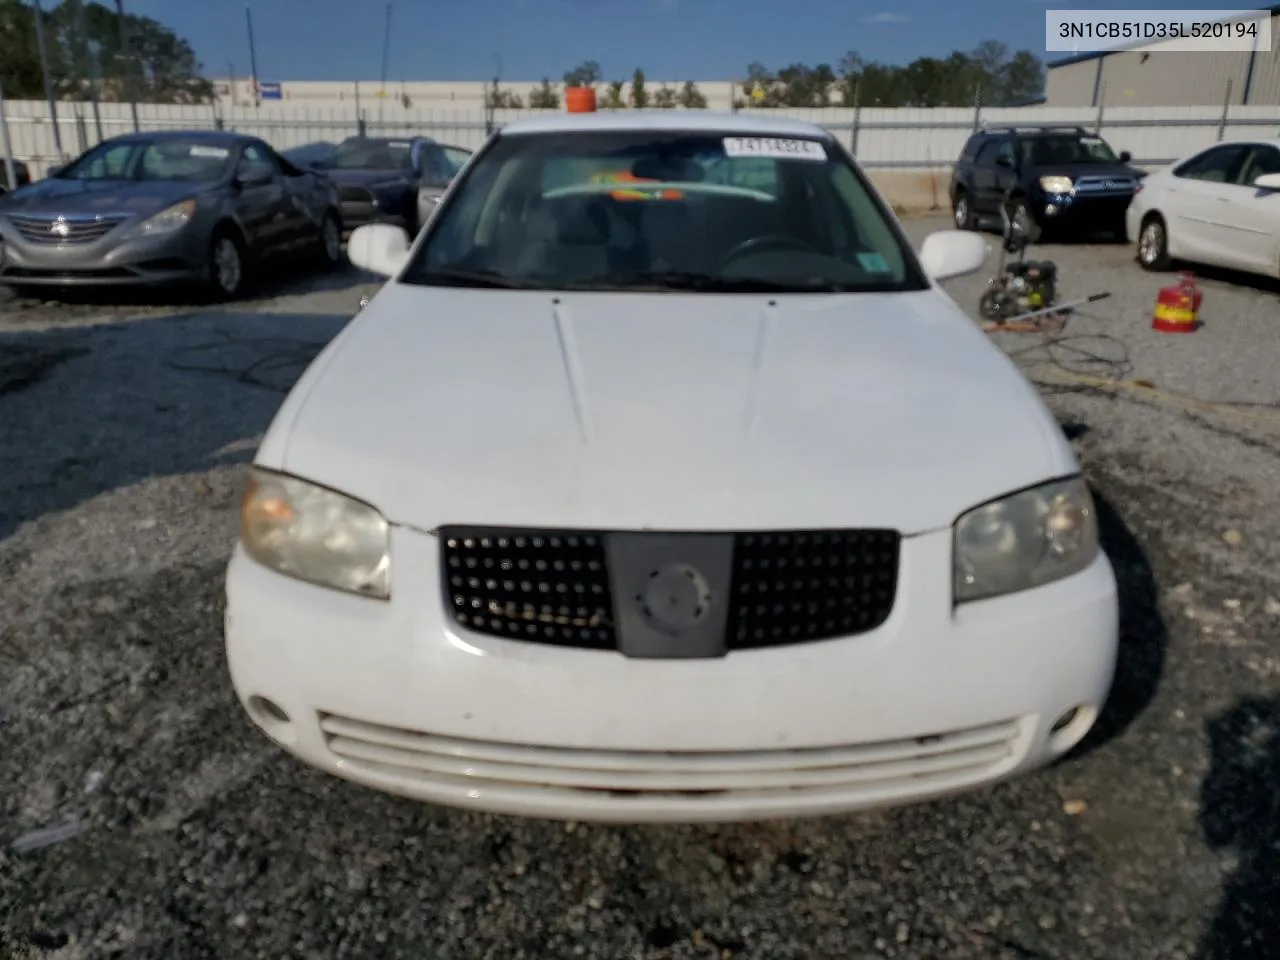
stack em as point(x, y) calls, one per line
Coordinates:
point(1159, 839)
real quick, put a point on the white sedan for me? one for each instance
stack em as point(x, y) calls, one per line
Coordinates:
point(1219, 207)
point(662, 481)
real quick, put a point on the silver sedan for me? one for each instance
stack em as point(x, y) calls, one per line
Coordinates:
point(161, 208)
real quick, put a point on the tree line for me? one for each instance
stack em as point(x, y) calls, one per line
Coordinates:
point(990, 74)
point(88, 46)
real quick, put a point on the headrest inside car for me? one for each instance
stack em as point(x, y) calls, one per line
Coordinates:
point(583, 222)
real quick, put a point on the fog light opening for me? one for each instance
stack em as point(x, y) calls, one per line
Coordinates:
point(1070, 728)
point(272, 718)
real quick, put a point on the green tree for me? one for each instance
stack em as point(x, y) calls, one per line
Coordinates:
point(664, 98)
point(1023, 78)
point(616, 100)
point(639, 95)
point(496, 99)
point(585, 74)
point(691, 97)
point(544, 96)
point(988, 71)
point(19, 62)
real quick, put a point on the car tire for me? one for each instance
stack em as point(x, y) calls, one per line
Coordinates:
point(1153, 243)
point(226, 267)
point(329, 242)
point(962, 212)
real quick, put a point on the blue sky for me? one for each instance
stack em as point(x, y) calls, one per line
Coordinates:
point(669, 39)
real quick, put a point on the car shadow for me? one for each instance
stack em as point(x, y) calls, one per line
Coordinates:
point(1143, 634)
point(87, 410)
point(1235, 278)
point(281, 277)
point(1240, 811)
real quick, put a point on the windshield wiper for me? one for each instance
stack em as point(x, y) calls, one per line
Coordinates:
point(677, 281)
point(456, 277)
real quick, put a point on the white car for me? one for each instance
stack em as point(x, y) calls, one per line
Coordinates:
point(1219, 207)
point(662, 481)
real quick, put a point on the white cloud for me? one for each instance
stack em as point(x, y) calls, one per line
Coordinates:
point(887, 17)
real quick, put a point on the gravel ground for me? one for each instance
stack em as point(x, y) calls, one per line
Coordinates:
point(1160, 838)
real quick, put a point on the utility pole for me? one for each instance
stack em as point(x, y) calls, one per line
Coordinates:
point(94, 69)
point(124, 52)
point(253, 56)
point(386, 55)
point(11, 175)
point(48, 80)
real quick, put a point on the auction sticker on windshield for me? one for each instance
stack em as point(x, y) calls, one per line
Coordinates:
point(218, 153)
point(778, 149)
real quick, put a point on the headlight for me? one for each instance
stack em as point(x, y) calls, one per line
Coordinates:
point(1025, 540)
point(1056, 184)
point(315, 534)
point(167, 221)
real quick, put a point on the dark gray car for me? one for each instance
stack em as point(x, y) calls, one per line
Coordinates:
point(159, 208)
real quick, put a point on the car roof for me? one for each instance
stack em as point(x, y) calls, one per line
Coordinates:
point(691, 121)
point(219, 137)
point(407, 137)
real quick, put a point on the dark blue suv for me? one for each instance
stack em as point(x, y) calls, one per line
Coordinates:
point(1055, 178)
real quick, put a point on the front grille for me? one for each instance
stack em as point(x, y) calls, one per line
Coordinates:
point(811, 585)
point(1093, 186)
point(355, 195)
point(555, 586)
point(538, 585)
point(64, 229)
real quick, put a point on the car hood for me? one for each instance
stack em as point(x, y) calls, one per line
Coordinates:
point(1077, 170)
point(666, 411)
point(367, 178)
point(55, 196)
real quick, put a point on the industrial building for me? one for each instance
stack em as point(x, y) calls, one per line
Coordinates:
point(1147, 76)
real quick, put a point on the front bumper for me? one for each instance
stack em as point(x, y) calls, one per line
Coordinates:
point(1087, 212)
point(396, 697)
point(116, 259)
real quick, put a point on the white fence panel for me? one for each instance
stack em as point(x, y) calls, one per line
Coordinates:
point(881, 137)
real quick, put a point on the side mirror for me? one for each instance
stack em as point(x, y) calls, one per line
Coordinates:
point(1125, 156)
point(953, 253)
point(1268, 181)
point(379, 248)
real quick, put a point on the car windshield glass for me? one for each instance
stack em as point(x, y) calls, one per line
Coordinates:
point(149, 160)
point(646, 210)
point(372, 155)
point(1068, 148)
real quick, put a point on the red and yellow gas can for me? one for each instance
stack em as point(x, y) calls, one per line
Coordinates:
point(1178, 307)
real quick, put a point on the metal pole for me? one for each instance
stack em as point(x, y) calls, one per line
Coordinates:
point(386, 55)
point(1102, 106)
point(1226, 109)
point(95, 70)
point(10, 174)
point(124, 52)
point(253, 56)
point(977, 108)
point(857, 117)
point(48, 80)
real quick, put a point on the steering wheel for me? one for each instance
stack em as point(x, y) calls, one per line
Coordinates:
point(773, 241)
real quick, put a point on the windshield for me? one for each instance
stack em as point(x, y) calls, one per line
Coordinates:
point(360, 154)
point(665, 211)
point(1066, 148)
point(149, 160)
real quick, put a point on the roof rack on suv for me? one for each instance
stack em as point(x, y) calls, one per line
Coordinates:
point(1036, 127)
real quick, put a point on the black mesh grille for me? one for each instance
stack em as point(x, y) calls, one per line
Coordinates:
point(544, 586)
point(552, 586)
point(810, 585)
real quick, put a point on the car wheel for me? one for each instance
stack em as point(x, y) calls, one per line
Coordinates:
point(962, 211)
point(1153, 244)
point(329, 244)
point(226, 266)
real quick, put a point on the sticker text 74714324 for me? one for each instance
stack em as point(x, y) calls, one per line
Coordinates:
point(775, 147)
